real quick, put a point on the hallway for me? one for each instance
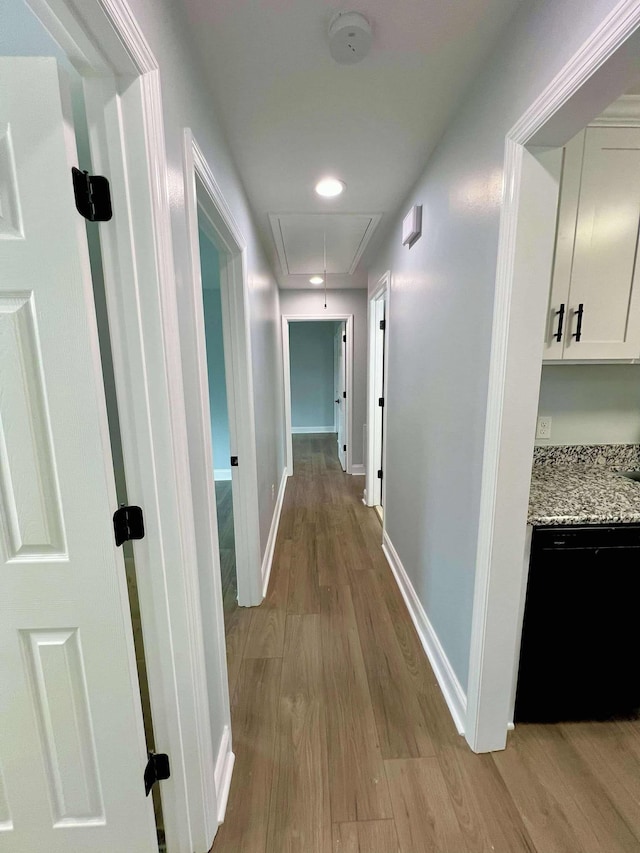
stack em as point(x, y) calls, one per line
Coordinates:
point(343, 741)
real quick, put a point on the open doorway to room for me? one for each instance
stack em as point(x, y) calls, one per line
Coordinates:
point(219, 416)
point(558, 539)
point(318, 379)
point(378, 346)
point(318, 392)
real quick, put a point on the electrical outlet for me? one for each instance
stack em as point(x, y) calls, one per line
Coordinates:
point(543, 429)
point(273, 491)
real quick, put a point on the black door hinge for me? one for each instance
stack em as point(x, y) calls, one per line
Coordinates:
point(344, 339)
point(344, 446)
point(128, 523)
point(93, 196)
point(383, 325)
point(234, 461)
point(157, 770)
point(380, 474)
point(344, 394)
point(381, 401)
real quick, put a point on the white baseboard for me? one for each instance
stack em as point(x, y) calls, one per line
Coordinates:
point(305, 430)
point(222, 474)
point(358, 470)
point(452, 691)
point(273, 533)
point(223, 773)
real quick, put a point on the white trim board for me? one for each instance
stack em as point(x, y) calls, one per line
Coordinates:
point(267, 562)
point(451, 688)
point(311, 430)
point(223, 772)
point(603, 66)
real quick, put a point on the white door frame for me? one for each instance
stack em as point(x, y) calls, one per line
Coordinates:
point(124, 108)
point(382, 291)
point(286, 360)
point(597, 73)
point(201, 189)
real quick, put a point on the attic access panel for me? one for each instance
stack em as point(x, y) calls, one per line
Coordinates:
point(299, 239)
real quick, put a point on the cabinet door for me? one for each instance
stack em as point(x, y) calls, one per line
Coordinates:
point(558, 316)
point(604, 278)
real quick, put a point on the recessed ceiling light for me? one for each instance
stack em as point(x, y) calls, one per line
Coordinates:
point(330, 187)
point(316, 279)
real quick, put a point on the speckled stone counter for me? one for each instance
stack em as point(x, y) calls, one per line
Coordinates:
point(580, 484)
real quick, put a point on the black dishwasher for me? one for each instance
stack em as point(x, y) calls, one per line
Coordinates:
point(580, 652)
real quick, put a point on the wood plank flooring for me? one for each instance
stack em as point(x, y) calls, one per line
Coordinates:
point(342, 738)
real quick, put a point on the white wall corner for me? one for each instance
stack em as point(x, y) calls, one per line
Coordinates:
point(273, 533)
point(223, 772)
point(451, 688)
point(358, 470)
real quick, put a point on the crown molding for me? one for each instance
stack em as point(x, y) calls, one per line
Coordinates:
point(625, 112)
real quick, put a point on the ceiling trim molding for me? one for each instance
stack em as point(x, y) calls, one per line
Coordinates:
point(278, 238)
point(625, 112)
point(368, 234)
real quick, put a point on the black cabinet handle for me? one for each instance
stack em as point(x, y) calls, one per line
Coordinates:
point(338, 400)
point(560, 316)
point(578, 332)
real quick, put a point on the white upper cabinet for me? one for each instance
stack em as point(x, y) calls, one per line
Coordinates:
point(594, 309)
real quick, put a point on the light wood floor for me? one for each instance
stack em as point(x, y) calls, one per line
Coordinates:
point(226, 542)
point(343, 742)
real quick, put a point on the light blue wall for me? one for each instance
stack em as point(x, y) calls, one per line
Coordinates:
point(210, 264)
point(312, 392)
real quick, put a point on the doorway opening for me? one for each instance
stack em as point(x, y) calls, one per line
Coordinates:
point(209, 214)
point(550, 166)
point(318, 381)
point(318, 377)
point(219, 413)
point(378, 349)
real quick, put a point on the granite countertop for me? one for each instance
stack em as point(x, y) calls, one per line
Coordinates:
point(581, 484)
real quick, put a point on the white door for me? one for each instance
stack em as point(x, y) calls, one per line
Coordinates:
point(340, 385)
point(379, 392)
point(72, 750)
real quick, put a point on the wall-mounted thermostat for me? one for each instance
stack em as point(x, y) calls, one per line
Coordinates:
point(412, 225)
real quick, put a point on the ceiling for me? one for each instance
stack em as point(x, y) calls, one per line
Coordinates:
point(291, 114)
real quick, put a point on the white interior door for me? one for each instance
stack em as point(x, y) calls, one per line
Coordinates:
point(377, 436)
point(340, 385)
point(72, 750)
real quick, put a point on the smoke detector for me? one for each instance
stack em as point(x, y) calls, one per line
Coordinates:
point(349, 37)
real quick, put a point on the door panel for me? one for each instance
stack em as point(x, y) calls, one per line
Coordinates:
point(604, 277)
point(72, 750)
